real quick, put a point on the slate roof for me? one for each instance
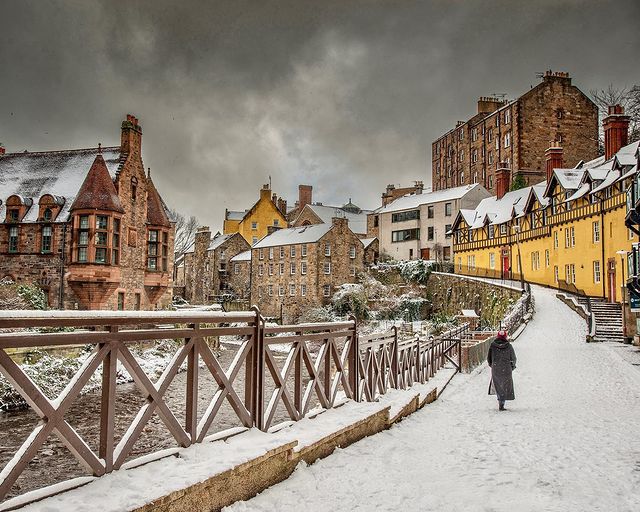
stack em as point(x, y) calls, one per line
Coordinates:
point(59, 173)
point(218, 240)
point(367, 241)
point(156, 209)
point(292, 236)
point(235, 215)
point(98, 191)
point(243, 256)
point(413, 201)
point(357, 221)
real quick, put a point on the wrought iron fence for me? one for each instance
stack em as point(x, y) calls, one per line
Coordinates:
point(316, 365)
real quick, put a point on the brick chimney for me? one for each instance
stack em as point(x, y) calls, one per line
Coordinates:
point(131, 137)
point(553, 157)
point(282, 206)
point(486, 105)
point(616, 130)
point(419, 187)
point(305, 195)
point(503, 178)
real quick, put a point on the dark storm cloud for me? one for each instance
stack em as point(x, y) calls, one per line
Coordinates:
point(344, 95)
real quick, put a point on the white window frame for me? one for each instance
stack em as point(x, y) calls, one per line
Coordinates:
point(492, 260)
point(327, 268)
point(327, 248)
point(352, 252)
point(303, 290)
point(597, 275)
point(293, 268)
point(326, 290)
point(303, 268)
point(292, 251)
point(292, 290)
point(596, 232)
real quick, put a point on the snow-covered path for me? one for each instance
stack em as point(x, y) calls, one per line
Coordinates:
point(570, 441)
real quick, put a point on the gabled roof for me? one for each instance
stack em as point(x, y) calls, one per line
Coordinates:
point(627, 154)
point(611, 177)
point(291, 236)
point(235, 215)
point(413, 201)
point(367, 241)
point(357, 221)
point(243, 256)
point(59, 173)
point(219, 239)
point(511, 205)
point(97, 191)
point(156, 213)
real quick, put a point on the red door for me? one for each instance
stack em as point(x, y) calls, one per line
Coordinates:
point(505, 266)
point(425, 253)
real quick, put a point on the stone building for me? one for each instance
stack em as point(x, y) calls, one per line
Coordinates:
point(295, 269)
point(390, 194)
point(254, 223)
point(204, 269)
point(308, 213)
point(240, 275)
point(517, 132)
point(87, 226)
point(418, 225)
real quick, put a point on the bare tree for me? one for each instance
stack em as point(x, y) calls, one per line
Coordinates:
point(185, 232)
point(629, 98)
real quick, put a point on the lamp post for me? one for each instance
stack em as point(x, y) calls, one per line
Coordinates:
point(623, 255)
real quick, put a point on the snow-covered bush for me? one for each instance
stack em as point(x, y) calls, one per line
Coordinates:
point(315, 315)
point(351, 299)
point(415, 271)
point(33, 296)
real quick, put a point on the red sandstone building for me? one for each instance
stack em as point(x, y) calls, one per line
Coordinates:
point(515, 134)
point(87, 226)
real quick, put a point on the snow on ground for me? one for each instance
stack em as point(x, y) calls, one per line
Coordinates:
point(569, 441)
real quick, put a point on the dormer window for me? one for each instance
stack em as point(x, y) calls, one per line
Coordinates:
point(47, 215)
point(13, 215)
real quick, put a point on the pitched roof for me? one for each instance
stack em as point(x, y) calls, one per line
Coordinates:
point(235, 215)
point(367, 241)
point(219, 239)
point(98, 191)
point(156, 210)
point(413, 201)
point(512, 204)
point(291, 236)
point(59, 173)
point(357, 221)
point(243, 256)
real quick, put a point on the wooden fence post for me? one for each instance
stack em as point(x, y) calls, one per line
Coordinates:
point(354, 361)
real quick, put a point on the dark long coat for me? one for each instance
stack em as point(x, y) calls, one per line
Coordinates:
point(502, 360)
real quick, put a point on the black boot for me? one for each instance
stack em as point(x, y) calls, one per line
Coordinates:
point(501, 406)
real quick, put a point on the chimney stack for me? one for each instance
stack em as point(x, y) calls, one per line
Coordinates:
point(616, 130)
point(2, 150)
point(131, 136)
point(265, 192)
point(503, 179)
point(553, 157)
point(305, 195)
point(282, 206)
point(341, 222)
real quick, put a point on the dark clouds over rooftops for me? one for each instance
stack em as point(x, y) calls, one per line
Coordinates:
point(344, 95)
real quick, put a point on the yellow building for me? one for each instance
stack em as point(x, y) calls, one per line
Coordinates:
point(253, 224)
point(566, 232)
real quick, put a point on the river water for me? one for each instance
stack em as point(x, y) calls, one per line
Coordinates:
point(54, 463)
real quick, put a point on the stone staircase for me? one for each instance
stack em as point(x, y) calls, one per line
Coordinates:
point(608, 316)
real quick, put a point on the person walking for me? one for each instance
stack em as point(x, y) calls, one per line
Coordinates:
point(502, 360)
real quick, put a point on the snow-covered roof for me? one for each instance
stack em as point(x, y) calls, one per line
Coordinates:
point(569, 179)
point(235, 215)
point(218, 240)
point(291, 236)
point(584, 188)
point(413, 201)
point(367, 241)
point(59, 173)
point(611, 177)
point(243, 256)
point(627, 154)
point(357, 221)
point(498, 210)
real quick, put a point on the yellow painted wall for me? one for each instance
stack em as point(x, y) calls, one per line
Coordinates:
point(614, 236)
point(264, 214)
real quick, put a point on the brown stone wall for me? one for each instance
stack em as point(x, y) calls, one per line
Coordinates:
point(240, 279)
point(220, 266)
point(340, 238)
point(552, 110)
point(306, 217)
point(373, 225)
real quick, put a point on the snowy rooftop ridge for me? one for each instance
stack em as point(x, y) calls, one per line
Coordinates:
point(243, 256)
point(412, 201)
point(357, 221)
point(59, 173)
point(291, 236)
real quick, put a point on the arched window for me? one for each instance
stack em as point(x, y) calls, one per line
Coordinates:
point(48, 214)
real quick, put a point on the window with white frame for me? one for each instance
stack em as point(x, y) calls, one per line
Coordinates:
point(270, 253)
point(352, 272)
point(254, 225)
point(293, 268)
point(281, 252)
point(492, 260)
point(292, 251)
point(303, 290)
point(596, 271)
point(236, 268)
point(270, 269)
point(303, 251)
point(326, 290)
point(596, 231)
point(270, 290)
point(572, 232)
point(261, 254)
point(555, 239)
point(555, 273)
point(327, 249)
point(303, 267)
point(352, 252)
point(507, 140)
point(281, 268)
point(281, 290)
point(547, 258)
point(260, 269)
point(327, 267)
point(254, 240)
point(292, 289)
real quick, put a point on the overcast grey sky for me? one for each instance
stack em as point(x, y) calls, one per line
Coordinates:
point(343, 95)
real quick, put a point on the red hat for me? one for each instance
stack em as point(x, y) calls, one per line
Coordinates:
point(502, 334)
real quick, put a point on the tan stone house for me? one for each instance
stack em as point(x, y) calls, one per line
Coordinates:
point(204, 269)
point(418, 225)
point(87, 226)
point(299, 268)
point(517, 132)
point(240, 275)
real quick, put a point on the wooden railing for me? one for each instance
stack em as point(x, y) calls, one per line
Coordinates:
point(291, 369)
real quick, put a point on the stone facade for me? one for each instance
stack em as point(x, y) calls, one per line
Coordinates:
point(87, 226)
point(298, 269)
point(205, 268)
point(517, 133)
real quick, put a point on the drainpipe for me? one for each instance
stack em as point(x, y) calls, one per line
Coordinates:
point(605, 271)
